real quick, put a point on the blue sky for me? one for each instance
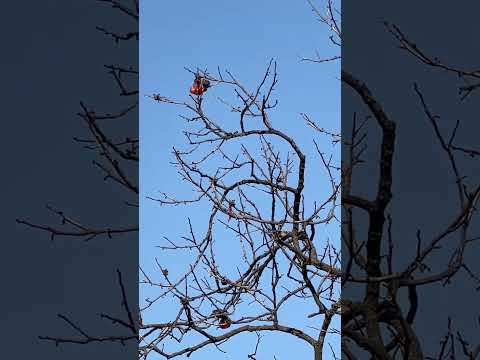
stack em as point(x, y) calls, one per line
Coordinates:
point(241, 37)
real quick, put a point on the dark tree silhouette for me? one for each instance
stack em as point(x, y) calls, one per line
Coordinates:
point(116, 155)
point(379, 322)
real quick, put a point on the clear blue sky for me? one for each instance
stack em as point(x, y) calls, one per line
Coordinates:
point(241, 36)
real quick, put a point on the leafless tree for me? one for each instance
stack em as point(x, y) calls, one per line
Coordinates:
point(116, 156)
point(283, 259)
point(252, 176)
point(378, 321)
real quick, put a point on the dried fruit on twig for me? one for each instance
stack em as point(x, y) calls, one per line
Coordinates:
point(224, 322)
point(200, 85)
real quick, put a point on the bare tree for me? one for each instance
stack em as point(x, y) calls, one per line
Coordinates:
point(379, 321)
point(116, 155)
point(282, 253)
point(252, 176)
